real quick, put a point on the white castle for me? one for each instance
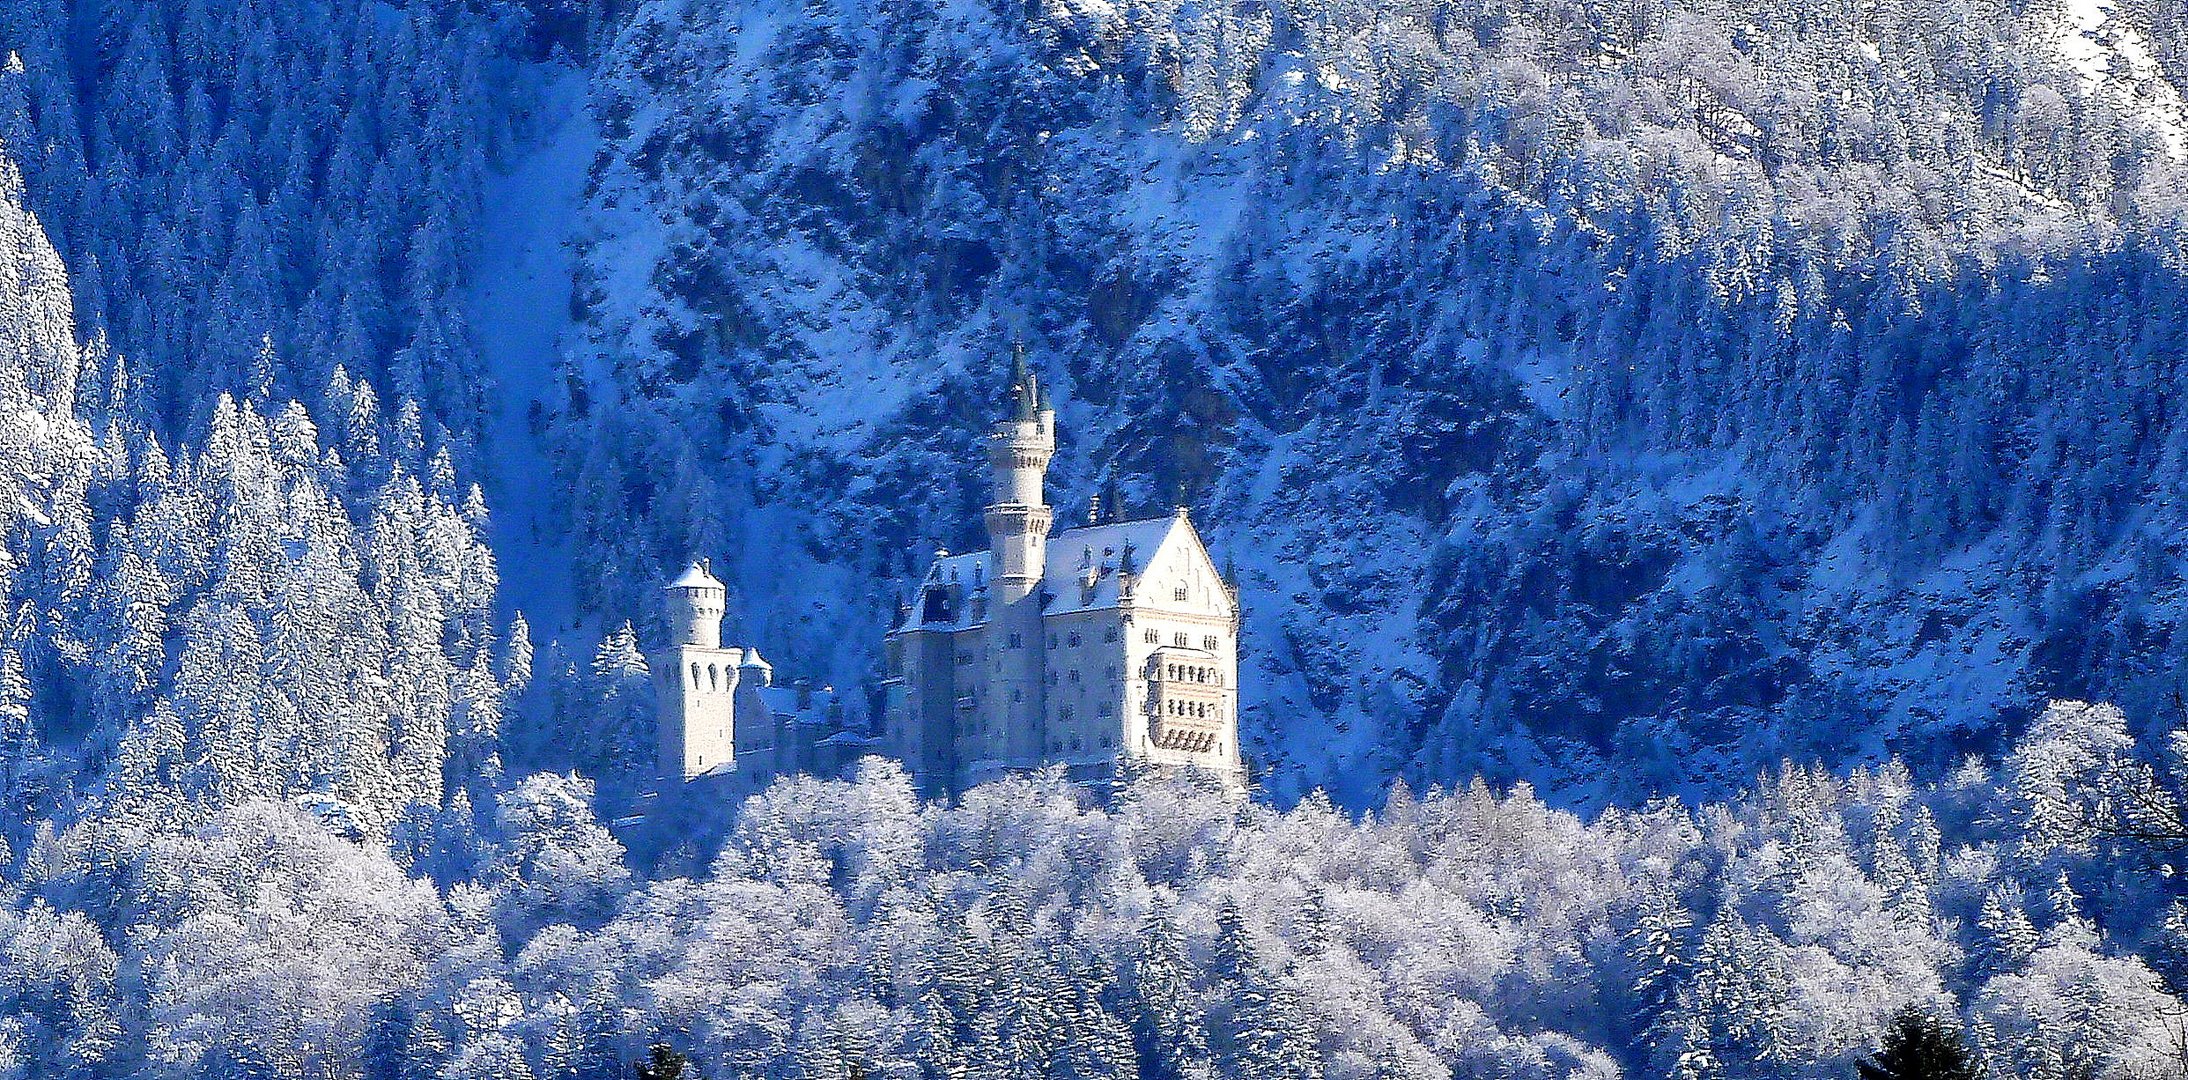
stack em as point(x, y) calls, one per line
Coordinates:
point(720, 712)
point(1102, 647)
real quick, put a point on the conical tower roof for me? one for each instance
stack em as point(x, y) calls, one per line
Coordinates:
point(697, 576)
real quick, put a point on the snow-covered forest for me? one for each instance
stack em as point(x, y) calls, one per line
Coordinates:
point(1683, 460)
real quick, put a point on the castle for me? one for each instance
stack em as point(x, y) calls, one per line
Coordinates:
point(1103, 648)
point(1110, 645)
point(720, 712)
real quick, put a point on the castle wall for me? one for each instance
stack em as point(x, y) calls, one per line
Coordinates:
point(995, 669)
point(696, 692)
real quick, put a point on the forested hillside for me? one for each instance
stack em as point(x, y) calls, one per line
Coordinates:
point(1688, 447)
point(1645, 392)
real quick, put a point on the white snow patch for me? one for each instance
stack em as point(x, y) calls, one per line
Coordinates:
point(2113, 57)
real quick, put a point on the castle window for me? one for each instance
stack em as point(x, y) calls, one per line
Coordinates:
point(1107, 741)
point(1017, 694)
point(1179, 592)
point(1104, 711)
point(1074, 674)
point(1208, 643)
point(1154, 638)
point(1074, 639)
point(1064, 713)
point(1074, 742)
point(1017, 642)
point(1179, 640)
point(1109, 633)
point(695, 675)
point(714, 677)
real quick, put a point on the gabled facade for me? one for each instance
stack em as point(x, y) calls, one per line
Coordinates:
point(1107, 646)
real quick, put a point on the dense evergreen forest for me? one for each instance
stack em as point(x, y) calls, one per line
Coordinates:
point(1685, 464)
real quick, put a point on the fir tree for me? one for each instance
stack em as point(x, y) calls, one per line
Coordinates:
point(1918, 1046)
point(665, 1062)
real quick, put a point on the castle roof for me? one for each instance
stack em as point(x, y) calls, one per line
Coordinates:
point(1106, 546)
point(804, 705)
point(1103, 547)
point(696, 577)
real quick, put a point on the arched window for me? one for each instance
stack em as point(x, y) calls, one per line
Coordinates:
point(714, 677)
point(695, 674)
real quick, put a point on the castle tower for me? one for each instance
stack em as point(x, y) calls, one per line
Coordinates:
point(1019, 449)
point(1121, 654)
point(697, 680)
point(1018, 519)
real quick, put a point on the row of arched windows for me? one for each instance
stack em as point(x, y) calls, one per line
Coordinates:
point(1196, 673)
point(707, 676)
point(1199, 710)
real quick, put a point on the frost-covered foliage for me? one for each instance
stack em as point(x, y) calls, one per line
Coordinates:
point(1666, 385)
point(845, 928)
point(190, 628)
point(224, 175)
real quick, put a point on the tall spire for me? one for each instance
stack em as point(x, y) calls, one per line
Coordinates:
point(1025, 387)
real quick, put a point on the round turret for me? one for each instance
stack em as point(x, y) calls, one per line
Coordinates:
point(758, 668)
point(696, 603)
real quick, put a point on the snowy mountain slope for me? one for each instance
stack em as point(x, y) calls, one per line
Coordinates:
point(1635, 489)
point(1564, 387)
point(519, 311)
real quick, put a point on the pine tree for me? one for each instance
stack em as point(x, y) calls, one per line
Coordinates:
point(1918, 1046)
point(665, 1062)
point(22, 755)
point(2007, 938)
point(1167, 1027)
point(1656, 945)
